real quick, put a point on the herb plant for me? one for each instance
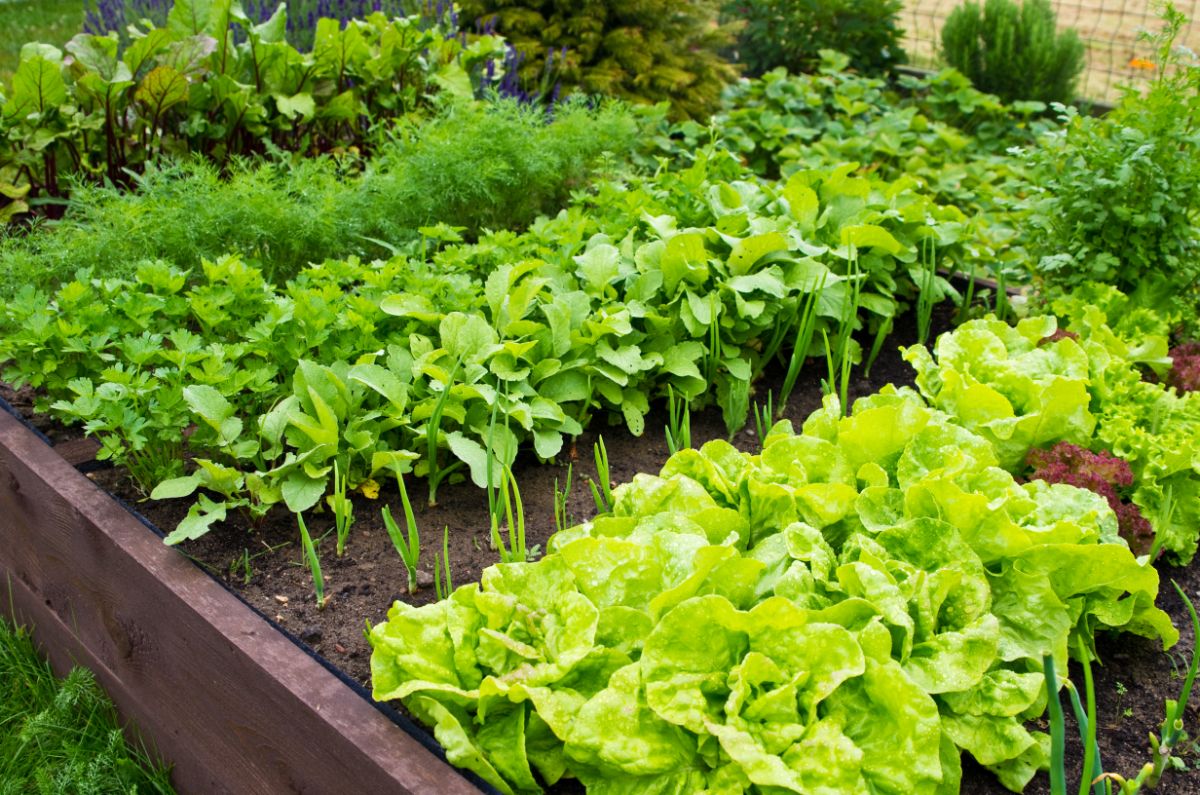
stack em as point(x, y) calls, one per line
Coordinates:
point(1120, 193)
point(1014, 50)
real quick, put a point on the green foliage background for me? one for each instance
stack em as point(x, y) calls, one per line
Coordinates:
point(636, 50)
point(792, 33)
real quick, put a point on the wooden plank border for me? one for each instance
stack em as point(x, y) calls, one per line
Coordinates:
point(228, 699)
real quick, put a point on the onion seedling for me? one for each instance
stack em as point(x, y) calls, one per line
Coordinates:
point(343, 509)
point(1002, 305)
point(495, 507)
point(433, 433)
point(1172, 728)
point(925, 297)
point(1058, 737)
point(837, 381)
point(601, 493)
point(714, 339)
point(514, 516)
point(407, 545)
point(964, 309)
point(679, 422)
point(804, 337)
point(314, 562)
point(562, 519)
point(442, 584)
point(881, 335)
point(764, 417)
point(1162, 748)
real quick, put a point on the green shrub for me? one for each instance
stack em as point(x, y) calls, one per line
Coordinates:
point(792, 33)
point(1121, 193)
point(642, 51)
point(1014, 52)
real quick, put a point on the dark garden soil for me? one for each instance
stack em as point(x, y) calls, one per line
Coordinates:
point(264, 565)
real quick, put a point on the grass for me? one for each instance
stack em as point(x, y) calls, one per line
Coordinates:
point(21, 21)
point(62, 735)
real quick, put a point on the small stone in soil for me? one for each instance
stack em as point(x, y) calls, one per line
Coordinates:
point(424, 579)
point(283, 600)
point(311, 634)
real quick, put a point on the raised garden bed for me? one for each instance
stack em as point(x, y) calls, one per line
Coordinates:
point(230, 700)
point(231, 697)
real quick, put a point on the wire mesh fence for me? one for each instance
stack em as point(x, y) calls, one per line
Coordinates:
point(1109, 28)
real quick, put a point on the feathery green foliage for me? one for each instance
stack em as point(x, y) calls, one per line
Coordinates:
point(494, 165)
point(637, 50)
point(62, 736)
point(1014, 51)
point(792, 33)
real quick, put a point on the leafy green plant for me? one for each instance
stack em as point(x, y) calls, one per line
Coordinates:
point(408, 546)
point(1120, 193)
point(792, 33)
point(1031, 387)
point(1014, 51)
point(643, 51)
point(192, 86)
point(808, 563)
point(313, 560)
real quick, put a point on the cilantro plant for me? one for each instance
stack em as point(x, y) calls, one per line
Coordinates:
point(1119, 194)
